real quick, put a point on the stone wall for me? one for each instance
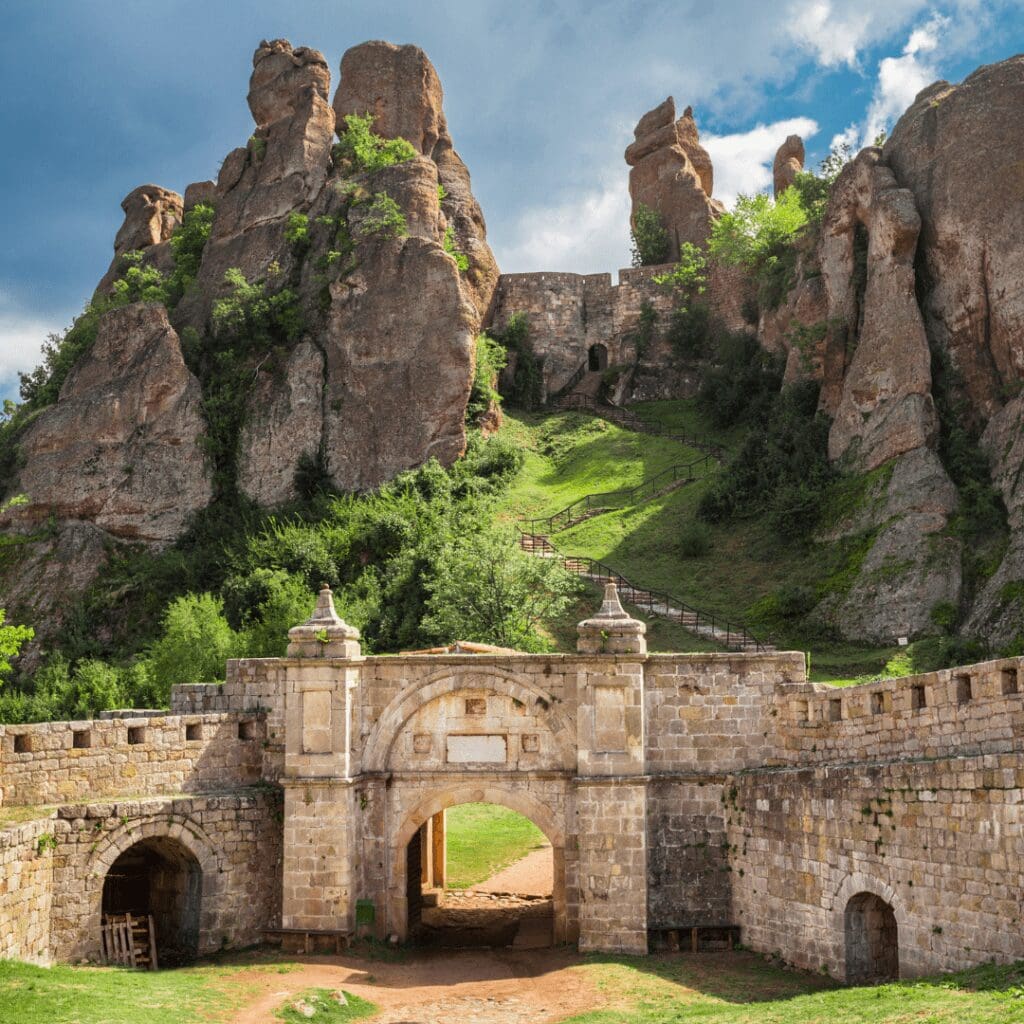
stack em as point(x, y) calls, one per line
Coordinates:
point(26, 887)
point(67, 762)
point(568, 313)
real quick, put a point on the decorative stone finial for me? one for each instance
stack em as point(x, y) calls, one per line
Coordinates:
point(324, 634)
point(612, 630)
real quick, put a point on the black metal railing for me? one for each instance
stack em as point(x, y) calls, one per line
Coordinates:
point(727, 632)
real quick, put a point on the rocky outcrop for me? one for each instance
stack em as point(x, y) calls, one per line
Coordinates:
point(120, 447)
point(281, 170)
point(401, 88)
point(151, 213)
point(911, 566)
point(789, 162)
point(885, 407)
point(957, 150)
point(285, 424)
point(671, 173)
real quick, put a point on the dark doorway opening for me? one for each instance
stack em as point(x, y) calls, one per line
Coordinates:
point(159, 877)
point(597, 358)
point(872, 941)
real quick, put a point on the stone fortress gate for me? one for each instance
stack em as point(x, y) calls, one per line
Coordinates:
point(875, 831)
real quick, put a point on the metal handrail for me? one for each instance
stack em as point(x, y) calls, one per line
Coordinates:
point(735, 634)
point(568, 516)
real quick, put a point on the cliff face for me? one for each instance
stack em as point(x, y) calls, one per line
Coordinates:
point(939, 211)
point(374, 380)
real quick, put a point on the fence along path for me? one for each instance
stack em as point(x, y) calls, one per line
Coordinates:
point(731, 635)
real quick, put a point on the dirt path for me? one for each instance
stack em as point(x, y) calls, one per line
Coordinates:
point(465, 987)
point(530, 876)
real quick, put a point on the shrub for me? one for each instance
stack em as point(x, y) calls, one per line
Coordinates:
point(262, 606)
point(743, 384)
point(527, 387)
point(11, 640)
point(489, 361)
point(296, 234)
point(651, 244)
point(366, 151)
point(688, 276)
point(383, 217)
point(252, 315)
point(187, 243)
point(689, 330)
point(694, 540)
point(461, 259)
point(196, 642)
point(646, 322)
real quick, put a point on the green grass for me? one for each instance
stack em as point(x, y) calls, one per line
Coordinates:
point(571, 454)
point(743, 989)
point(111, 995)
point(484, 838)
point(326, 1009)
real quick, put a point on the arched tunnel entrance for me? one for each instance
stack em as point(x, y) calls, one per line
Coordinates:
point(480, 874)
point(159, 877)
point(597, 357)
point(872, 940)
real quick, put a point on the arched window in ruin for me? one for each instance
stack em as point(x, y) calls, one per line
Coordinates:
point(597, 358)
point(872, 940)
point(159, 876)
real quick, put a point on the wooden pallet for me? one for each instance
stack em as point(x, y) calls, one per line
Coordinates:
point(128, 940)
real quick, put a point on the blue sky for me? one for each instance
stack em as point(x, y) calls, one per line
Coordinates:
point(541, 97)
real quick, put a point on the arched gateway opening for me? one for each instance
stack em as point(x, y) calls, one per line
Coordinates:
point(597, 357)
point(872, 940)
point(479, 874)
point(159, 876)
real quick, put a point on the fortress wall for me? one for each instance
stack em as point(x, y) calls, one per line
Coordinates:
point(713, 712)
point(173, 753)
point(941, 840)
point(976, 709)
point(236, 838)
point(570, 312)
point(26, 885)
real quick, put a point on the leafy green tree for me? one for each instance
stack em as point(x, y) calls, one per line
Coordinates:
point(527, 389)
point(263, 606)
point(196, 642)
point(688, 275)
point(489, 361)
point(11, 640)
point(366, 151)
point(485, 589)
point(651, 243)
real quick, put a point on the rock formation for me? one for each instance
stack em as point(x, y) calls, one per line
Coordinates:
point(120, 448)
point(671, 173)
point(151, 214)
point(789, 162)
point(400, 87)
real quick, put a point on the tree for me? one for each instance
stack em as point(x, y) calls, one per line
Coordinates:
point(651, 244)
point(196, 642)
point(11, 639)
point(487, 590)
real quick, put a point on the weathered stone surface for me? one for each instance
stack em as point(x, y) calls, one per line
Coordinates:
point(120, 447)
point(912, 564)
point(151, 213)
point(885, 408)
point(671, 173)
point(285, 422)
point(200, 192)
point(789, 162)
point(400, 87)
point(797, 328)
point(957, 149)
point(281, 170)
point(399, 343)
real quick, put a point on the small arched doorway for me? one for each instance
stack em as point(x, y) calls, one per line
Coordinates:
point(597, 357)
point(159, 876)
point(872, 940)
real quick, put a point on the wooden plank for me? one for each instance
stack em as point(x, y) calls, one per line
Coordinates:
point(132, 959)
point(693, 940)
point(152, 945)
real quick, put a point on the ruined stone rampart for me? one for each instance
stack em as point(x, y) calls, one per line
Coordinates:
point(569, 313)
point(676, 790)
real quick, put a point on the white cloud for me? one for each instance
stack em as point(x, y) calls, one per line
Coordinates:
point(22, 333)
point(743, 160)
point(587, 235)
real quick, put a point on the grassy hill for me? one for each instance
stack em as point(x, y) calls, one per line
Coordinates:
point(733, 570)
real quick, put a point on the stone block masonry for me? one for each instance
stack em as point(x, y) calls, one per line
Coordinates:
point(874, 830)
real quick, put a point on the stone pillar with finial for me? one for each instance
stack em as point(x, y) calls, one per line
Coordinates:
point(323, 674)
point(611, 793)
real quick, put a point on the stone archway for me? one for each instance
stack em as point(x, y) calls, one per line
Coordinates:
point(597, 357)
point(872, 940)
point(504, 795)
point(172, 838)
